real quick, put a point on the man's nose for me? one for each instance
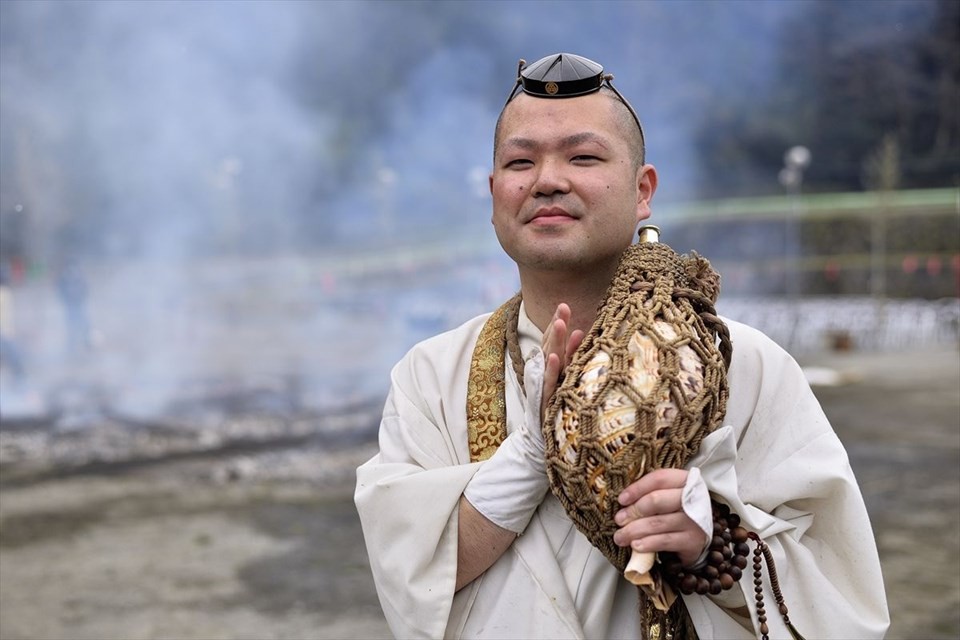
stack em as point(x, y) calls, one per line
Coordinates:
point(551, 179)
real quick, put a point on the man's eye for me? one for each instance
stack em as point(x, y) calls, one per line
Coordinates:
point(585, 158)
point(518, 163)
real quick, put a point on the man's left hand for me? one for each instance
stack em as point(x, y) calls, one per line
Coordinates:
point(652, 518)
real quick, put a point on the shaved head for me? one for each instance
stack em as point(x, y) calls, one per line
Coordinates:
point(625, 124)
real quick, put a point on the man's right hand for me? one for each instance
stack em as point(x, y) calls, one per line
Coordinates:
point(559, 345)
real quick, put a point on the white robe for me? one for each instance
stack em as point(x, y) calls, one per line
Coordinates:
point(777, 462)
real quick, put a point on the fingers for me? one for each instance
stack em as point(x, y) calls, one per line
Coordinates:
point(553, 349)
point(551, 374)
point(555, 337)
point(657, 502)
point(667, 532)
point(576, 338)
point(559, 347)
point(650, 526)
point(557, 351)
point(653, 519)
point(653, 481)
point(672, 534)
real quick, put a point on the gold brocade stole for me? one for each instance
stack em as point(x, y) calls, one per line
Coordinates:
point(486, 400)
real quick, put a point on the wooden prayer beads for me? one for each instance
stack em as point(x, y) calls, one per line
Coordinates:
point(725, 562)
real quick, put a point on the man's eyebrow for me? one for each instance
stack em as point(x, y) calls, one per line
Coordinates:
point(569, 141)
point(580, 138)
point(522, 143)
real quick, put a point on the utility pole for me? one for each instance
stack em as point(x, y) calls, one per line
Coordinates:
point(795, 161)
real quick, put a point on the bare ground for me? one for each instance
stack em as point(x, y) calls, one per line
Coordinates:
point(221, 545)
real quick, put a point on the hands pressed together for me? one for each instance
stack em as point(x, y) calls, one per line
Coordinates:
point(652, 518)
point(559, 345)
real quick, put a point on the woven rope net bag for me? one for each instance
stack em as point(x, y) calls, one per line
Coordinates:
point(646, 385)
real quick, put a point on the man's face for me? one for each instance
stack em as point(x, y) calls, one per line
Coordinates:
point(567, 195)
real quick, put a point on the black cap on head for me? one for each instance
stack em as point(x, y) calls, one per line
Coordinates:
point(565, 75)
point(561, 75)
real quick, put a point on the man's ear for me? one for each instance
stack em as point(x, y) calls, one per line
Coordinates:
point(490, 182)
point(646, 187)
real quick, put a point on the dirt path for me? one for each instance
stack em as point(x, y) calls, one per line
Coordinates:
point(163, 553)
point(174, 550)
point(900, 422)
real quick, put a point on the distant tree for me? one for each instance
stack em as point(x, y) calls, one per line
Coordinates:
point(851, 74)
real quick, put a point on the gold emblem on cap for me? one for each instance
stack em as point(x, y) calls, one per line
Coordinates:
point(551, 88)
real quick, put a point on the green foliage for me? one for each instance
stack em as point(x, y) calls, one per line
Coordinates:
point(850, 75)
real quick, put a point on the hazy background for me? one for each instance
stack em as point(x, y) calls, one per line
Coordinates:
point(221, 223)
point(299, 188)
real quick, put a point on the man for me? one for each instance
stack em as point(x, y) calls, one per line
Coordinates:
point(10, 355)
point(464, 537)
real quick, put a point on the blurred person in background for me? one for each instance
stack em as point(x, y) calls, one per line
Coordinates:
point(464, 545)
point(11, 358)
point(73, 291)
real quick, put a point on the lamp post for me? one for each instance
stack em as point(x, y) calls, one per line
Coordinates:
point(795, 161)
point(386, 180)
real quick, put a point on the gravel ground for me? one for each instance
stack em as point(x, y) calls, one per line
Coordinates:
point(233, 539)
point(169, 551)
point(899, 418)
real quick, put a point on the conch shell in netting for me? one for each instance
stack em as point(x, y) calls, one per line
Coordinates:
point(644, 388)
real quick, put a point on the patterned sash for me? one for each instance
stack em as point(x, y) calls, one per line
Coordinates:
point(486, 403)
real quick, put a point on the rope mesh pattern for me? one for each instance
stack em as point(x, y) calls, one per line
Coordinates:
point(647, 384)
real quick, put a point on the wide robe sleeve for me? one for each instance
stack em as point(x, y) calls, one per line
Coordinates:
point(780, 465)
point(408, 494)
